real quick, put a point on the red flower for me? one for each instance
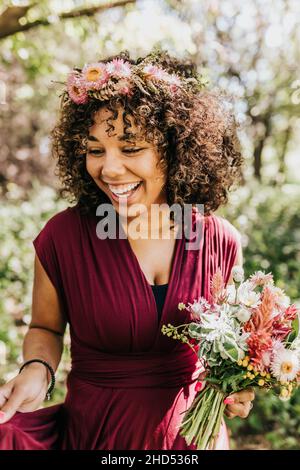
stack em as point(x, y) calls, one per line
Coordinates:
point(259, 342)
point(290, 313)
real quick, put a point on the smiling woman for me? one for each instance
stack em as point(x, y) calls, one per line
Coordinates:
point(187, 126)
point(131, 133)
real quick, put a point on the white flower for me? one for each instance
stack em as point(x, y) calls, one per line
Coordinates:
point(243, 314)
point(231, 293)
point(244, 294)
point(247, 296)
point(285, 365)
point(199, 307)
point(238, 273)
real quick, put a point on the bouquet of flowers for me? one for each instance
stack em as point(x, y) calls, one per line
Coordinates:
point(247, 335)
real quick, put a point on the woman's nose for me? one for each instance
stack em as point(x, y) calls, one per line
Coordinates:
point(112, 166)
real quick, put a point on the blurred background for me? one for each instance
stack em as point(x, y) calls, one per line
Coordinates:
point(250, 49)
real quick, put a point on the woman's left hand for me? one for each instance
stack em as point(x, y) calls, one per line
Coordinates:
point(239, 403)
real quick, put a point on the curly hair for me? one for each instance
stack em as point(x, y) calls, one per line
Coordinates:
point(195, 132)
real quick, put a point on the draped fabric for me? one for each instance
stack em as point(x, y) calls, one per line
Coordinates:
point(129, 385)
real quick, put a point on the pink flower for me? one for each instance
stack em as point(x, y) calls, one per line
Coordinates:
point(118, 68)
point(76, 88)
point(259, 278)
point(94, 75)
point(217, 285)
point(155, 72)
point(290, 313)
point(173, 80)
point(266, 359)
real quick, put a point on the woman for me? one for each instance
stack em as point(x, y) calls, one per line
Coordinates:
point(131, 135)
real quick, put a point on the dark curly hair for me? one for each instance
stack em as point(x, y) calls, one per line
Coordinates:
point(195, 133)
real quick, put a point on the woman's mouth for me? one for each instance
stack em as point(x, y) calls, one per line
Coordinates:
point(124, 193)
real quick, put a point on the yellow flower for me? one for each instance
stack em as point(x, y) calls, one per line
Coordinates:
point(261, 382)
point(263, 374)
point(240, 362)
point(283, 382)
point(250, 367)
point(245, 362)
point(284, 393)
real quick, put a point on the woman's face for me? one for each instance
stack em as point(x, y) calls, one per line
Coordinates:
point(126, 171)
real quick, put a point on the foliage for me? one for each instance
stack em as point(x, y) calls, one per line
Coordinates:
point(20, 222)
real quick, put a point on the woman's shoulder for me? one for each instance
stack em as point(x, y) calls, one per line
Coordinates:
point(61, 225)
point(223, 228)
point(63, 219)
point(217, 226)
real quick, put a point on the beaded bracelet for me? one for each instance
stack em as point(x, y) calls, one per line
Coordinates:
point(48, 394)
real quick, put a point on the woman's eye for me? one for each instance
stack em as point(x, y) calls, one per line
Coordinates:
point(94, 152)
point(98, 151)
point(132, 150)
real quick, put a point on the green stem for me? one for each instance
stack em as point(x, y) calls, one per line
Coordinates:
point(202, 422)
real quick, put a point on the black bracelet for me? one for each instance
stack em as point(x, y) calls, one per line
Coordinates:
point(48, 394)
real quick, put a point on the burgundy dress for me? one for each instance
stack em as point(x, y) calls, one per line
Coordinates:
point(129, 384)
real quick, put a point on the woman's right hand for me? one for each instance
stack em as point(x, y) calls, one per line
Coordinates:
point(25, 392)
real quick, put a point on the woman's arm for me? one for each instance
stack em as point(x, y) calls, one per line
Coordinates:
point(44, 340)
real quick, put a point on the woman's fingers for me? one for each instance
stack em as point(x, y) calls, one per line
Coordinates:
point(243, 396)
point(238, 409)
point(12, 404)
point(229, 414)
point(5, 392)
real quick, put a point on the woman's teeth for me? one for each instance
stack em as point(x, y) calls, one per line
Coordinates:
point(124, 190)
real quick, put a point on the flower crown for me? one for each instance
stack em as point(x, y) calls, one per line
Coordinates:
point(119, 77)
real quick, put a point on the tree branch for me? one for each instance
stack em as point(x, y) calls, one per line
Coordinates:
point(9, 19)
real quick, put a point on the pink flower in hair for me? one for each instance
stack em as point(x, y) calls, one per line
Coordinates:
point(94, 75)
point(76, 88)
point(118, 68)
point(173, 80)
point(155, 72)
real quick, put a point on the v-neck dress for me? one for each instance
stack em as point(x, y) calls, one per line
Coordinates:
point(128, 385)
